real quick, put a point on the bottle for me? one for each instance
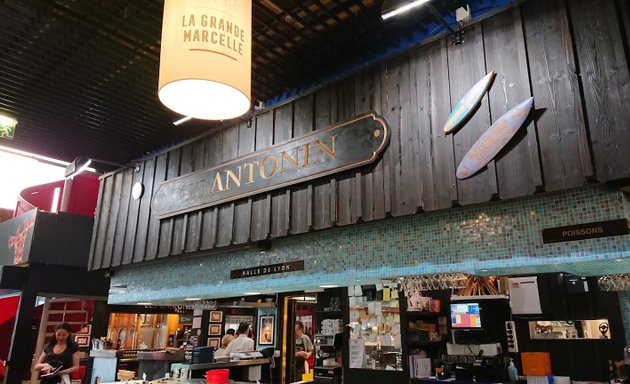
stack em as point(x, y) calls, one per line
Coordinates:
point(611, 372)
point(512, 372)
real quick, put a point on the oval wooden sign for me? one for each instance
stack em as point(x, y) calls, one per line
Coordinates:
point(494, 139)
point(320, 153)
point(469, 103)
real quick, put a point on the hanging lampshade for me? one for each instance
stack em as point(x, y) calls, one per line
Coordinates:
point(206, 58)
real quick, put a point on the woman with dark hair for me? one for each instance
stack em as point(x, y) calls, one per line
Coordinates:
point(303, 350)
point(60, 356)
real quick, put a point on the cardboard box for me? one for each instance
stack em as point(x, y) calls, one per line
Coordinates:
point(536, 363)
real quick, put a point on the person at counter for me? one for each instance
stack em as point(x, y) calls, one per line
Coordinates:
point(60, 356)
point(242, 343)
point(225, 341)
point(303, 350)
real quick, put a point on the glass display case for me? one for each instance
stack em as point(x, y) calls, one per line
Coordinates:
point(375, 340)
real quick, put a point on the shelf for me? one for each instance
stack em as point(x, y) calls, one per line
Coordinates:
point(423, 313)
point(479, 297)
point(331, 312)
point(426, 344)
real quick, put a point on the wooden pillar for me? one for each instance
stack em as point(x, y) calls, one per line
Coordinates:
point(20, 354)
point(41, 338)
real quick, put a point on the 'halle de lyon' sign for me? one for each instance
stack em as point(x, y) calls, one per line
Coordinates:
point(320, 153)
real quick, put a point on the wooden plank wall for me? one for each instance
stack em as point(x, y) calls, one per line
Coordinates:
point(572, 56)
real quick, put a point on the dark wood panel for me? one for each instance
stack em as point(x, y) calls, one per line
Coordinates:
point(261, 205)
point(225, 219)
point(563, 141)
point(123, 216)
point(153, 234)
point(193, 224)
point(466, 67)
point(302, 195)
point(167, 225)
point(95, 261)
point(180, 222)
point(409, 182)
point(114, 215)
point(379, 186)
point(209, 217)
point(397, 87)
point(322, 215)
point(281, 199)
point(144, 210)
point(605, 78)
point(517, 165)
point(346, 187)
point(98, 242)
point(436, 159)
point(243, 208)
point(364, 99)
point(132, 220)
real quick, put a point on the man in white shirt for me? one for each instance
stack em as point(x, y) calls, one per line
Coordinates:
point(242, 343)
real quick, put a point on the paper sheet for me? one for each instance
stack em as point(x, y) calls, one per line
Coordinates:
point(350, 291)
point(386, 294)
point(196, 322)
point(357, 353)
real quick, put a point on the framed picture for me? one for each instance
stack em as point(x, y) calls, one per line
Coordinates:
point(82, 340)
point(214, 342)
point(266, 326)
point(214, 330)
point(216, 316)
point(86, 330)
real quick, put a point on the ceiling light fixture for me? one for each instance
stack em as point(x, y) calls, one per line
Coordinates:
point(82, 163)
point(251, 293)
point(328, 286)
point(206, 58)
point(145, 303)
point(192, 298)
point(393, 8)
point(182, 120)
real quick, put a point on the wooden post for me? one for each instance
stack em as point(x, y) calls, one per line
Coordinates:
point(41, 338)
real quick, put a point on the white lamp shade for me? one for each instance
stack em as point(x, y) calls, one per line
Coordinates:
point(205, 58)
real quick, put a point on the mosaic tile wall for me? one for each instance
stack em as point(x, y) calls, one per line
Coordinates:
point(498, 237)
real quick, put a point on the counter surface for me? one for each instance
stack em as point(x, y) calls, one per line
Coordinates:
point(233, 363)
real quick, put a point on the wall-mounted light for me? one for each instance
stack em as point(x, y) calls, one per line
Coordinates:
point(393, 8)
point(82, 164)
point(205, 58)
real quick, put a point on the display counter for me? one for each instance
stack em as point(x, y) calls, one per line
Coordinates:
point(104, 364)
point(155, 364)
point(229, 364)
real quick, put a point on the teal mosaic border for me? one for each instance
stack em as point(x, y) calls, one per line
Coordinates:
point(493, 238)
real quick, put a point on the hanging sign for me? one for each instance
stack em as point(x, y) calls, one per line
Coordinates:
point(586, 231)
point(7, 127)
point(320, 153)
point(271, 269)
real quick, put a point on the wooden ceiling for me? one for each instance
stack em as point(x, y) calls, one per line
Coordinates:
point(81, 75)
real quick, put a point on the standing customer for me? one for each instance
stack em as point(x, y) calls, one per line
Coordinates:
point(60, 356)
point(303, 350)
point(242, 343)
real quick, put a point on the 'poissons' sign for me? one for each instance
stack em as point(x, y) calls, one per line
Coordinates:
point(320, 153)
point(271, 269)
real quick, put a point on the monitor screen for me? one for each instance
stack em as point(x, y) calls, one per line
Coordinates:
point(465, 315)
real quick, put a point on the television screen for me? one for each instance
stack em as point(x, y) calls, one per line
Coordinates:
point(465, 315)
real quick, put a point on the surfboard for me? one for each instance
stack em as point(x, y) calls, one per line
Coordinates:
point(494, 139)
point(468, 104)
